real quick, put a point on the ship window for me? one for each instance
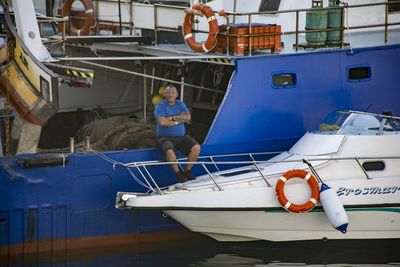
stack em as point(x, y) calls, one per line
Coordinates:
point(284, 80)
point(45, 88)
point(269, 5)
point(359, 73)
point(373, 166)
point(395, 7)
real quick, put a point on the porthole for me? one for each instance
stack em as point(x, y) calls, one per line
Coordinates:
point(284, 80)
point(373, 166)
point(359, 73)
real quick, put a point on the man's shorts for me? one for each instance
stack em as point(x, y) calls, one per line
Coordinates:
point(182, 143)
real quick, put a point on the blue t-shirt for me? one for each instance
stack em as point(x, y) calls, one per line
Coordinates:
point(163, 109)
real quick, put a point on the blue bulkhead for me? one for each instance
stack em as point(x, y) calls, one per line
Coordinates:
point(254, 110)
point(75, 200)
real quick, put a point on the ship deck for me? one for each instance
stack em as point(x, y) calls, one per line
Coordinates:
point(137, 51)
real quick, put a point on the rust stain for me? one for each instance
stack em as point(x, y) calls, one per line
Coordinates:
point(64, 244)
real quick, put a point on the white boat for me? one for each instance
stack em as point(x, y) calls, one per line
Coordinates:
point(355, 153)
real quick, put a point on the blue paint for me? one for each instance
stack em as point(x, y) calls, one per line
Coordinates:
point(78, 200)
point(342, 228)
point(322, 86)
point(324, 187)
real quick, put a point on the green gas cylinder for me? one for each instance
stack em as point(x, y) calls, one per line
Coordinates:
point(316, 19)
point(334, 21)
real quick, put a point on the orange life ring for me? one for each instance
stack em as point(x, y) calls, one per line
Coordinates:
point(312, 182)
point(89, 22)
point(211, 41)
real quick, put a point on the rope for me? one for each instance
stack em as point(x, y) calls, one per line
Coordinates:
point(116, 163)
point(118, 133)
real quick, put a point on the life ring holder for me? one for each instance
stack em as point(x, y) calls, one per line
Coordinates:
point(89, 21)
point(210, 43)
point(285, 203)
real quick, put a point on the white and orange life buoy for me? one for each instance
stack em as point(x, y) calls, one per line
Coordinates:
point(209, 44)
point(89, 17)
point(285, 203)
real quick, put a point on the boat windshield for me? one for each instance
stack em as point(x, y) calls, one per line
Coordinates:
point(359, 123)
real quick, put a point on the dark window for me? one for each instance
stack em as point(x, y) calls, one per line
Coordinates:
point(373, 166)
point(284, 80)
point(269, 5)
point(45, 88)
point(359, 73)
point(229, 174)
point(394, 7)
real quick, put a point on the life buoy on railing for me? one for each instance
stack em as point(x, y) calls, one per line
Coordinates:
point(209, 44)
point(89, 21)
point(285, 203)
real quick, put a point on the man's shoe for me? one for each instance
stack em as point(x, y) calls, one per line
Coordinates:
point(189, 175)
point(181, 177)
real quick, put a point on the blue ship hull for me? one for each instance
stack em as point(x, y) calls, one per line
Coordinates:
point(72, 206)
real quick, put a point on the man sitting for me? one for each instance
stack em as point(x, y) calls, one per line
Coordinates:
point(171, 114)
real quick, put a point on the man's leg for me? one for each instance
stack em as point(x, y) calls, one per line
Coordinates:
point(167, 145)
point(192, 157)
point(171, 157)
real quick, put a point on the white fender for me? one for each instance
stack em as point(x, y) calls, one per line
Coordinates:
point(333, 208)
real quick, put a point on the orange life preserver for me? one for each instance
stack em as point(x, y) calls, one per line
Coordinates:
point(280, 194)
point(89, 22)
point(211, 41)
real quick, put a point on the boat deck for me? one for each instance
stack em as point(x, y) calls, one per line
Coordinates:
point(359, 39)
point(356, 40)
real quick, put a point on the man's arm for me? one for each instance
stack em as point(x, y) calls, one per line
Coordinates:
point(166, 121)
point(183, 117)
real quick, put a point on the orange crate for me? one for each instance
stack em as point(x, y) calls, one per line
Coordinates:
point(239, 44)
point(277, 45)
point(255, 40)
point(261, 42)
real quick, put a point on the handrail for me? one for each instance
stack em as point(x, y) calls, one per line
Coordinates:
point(297, 32)
point(259, 170)
point(252, 162)
point(157, 163)
point(250, 15)
point(308, 9)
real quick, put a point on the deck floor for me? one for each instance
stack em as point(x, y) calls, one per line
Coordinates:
point(353, 40)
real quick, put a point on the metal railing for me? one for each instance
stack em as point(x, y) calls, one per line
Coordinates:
point(143, 167)
point(297, 31)
point(251, 15)
point(156, 188)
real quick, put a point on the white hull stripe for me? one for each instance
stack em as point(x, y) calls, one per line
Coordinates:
point(187, 36)
point(89, 11)
point(313, 200)
point(307, 177)
point(287, 205)
point(211, 18)
point(204, 48)
point(283, 179)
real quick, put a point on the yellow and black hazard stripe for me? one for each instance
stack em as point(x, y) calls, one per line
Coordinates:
point(80, 74)
point(220, 60)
